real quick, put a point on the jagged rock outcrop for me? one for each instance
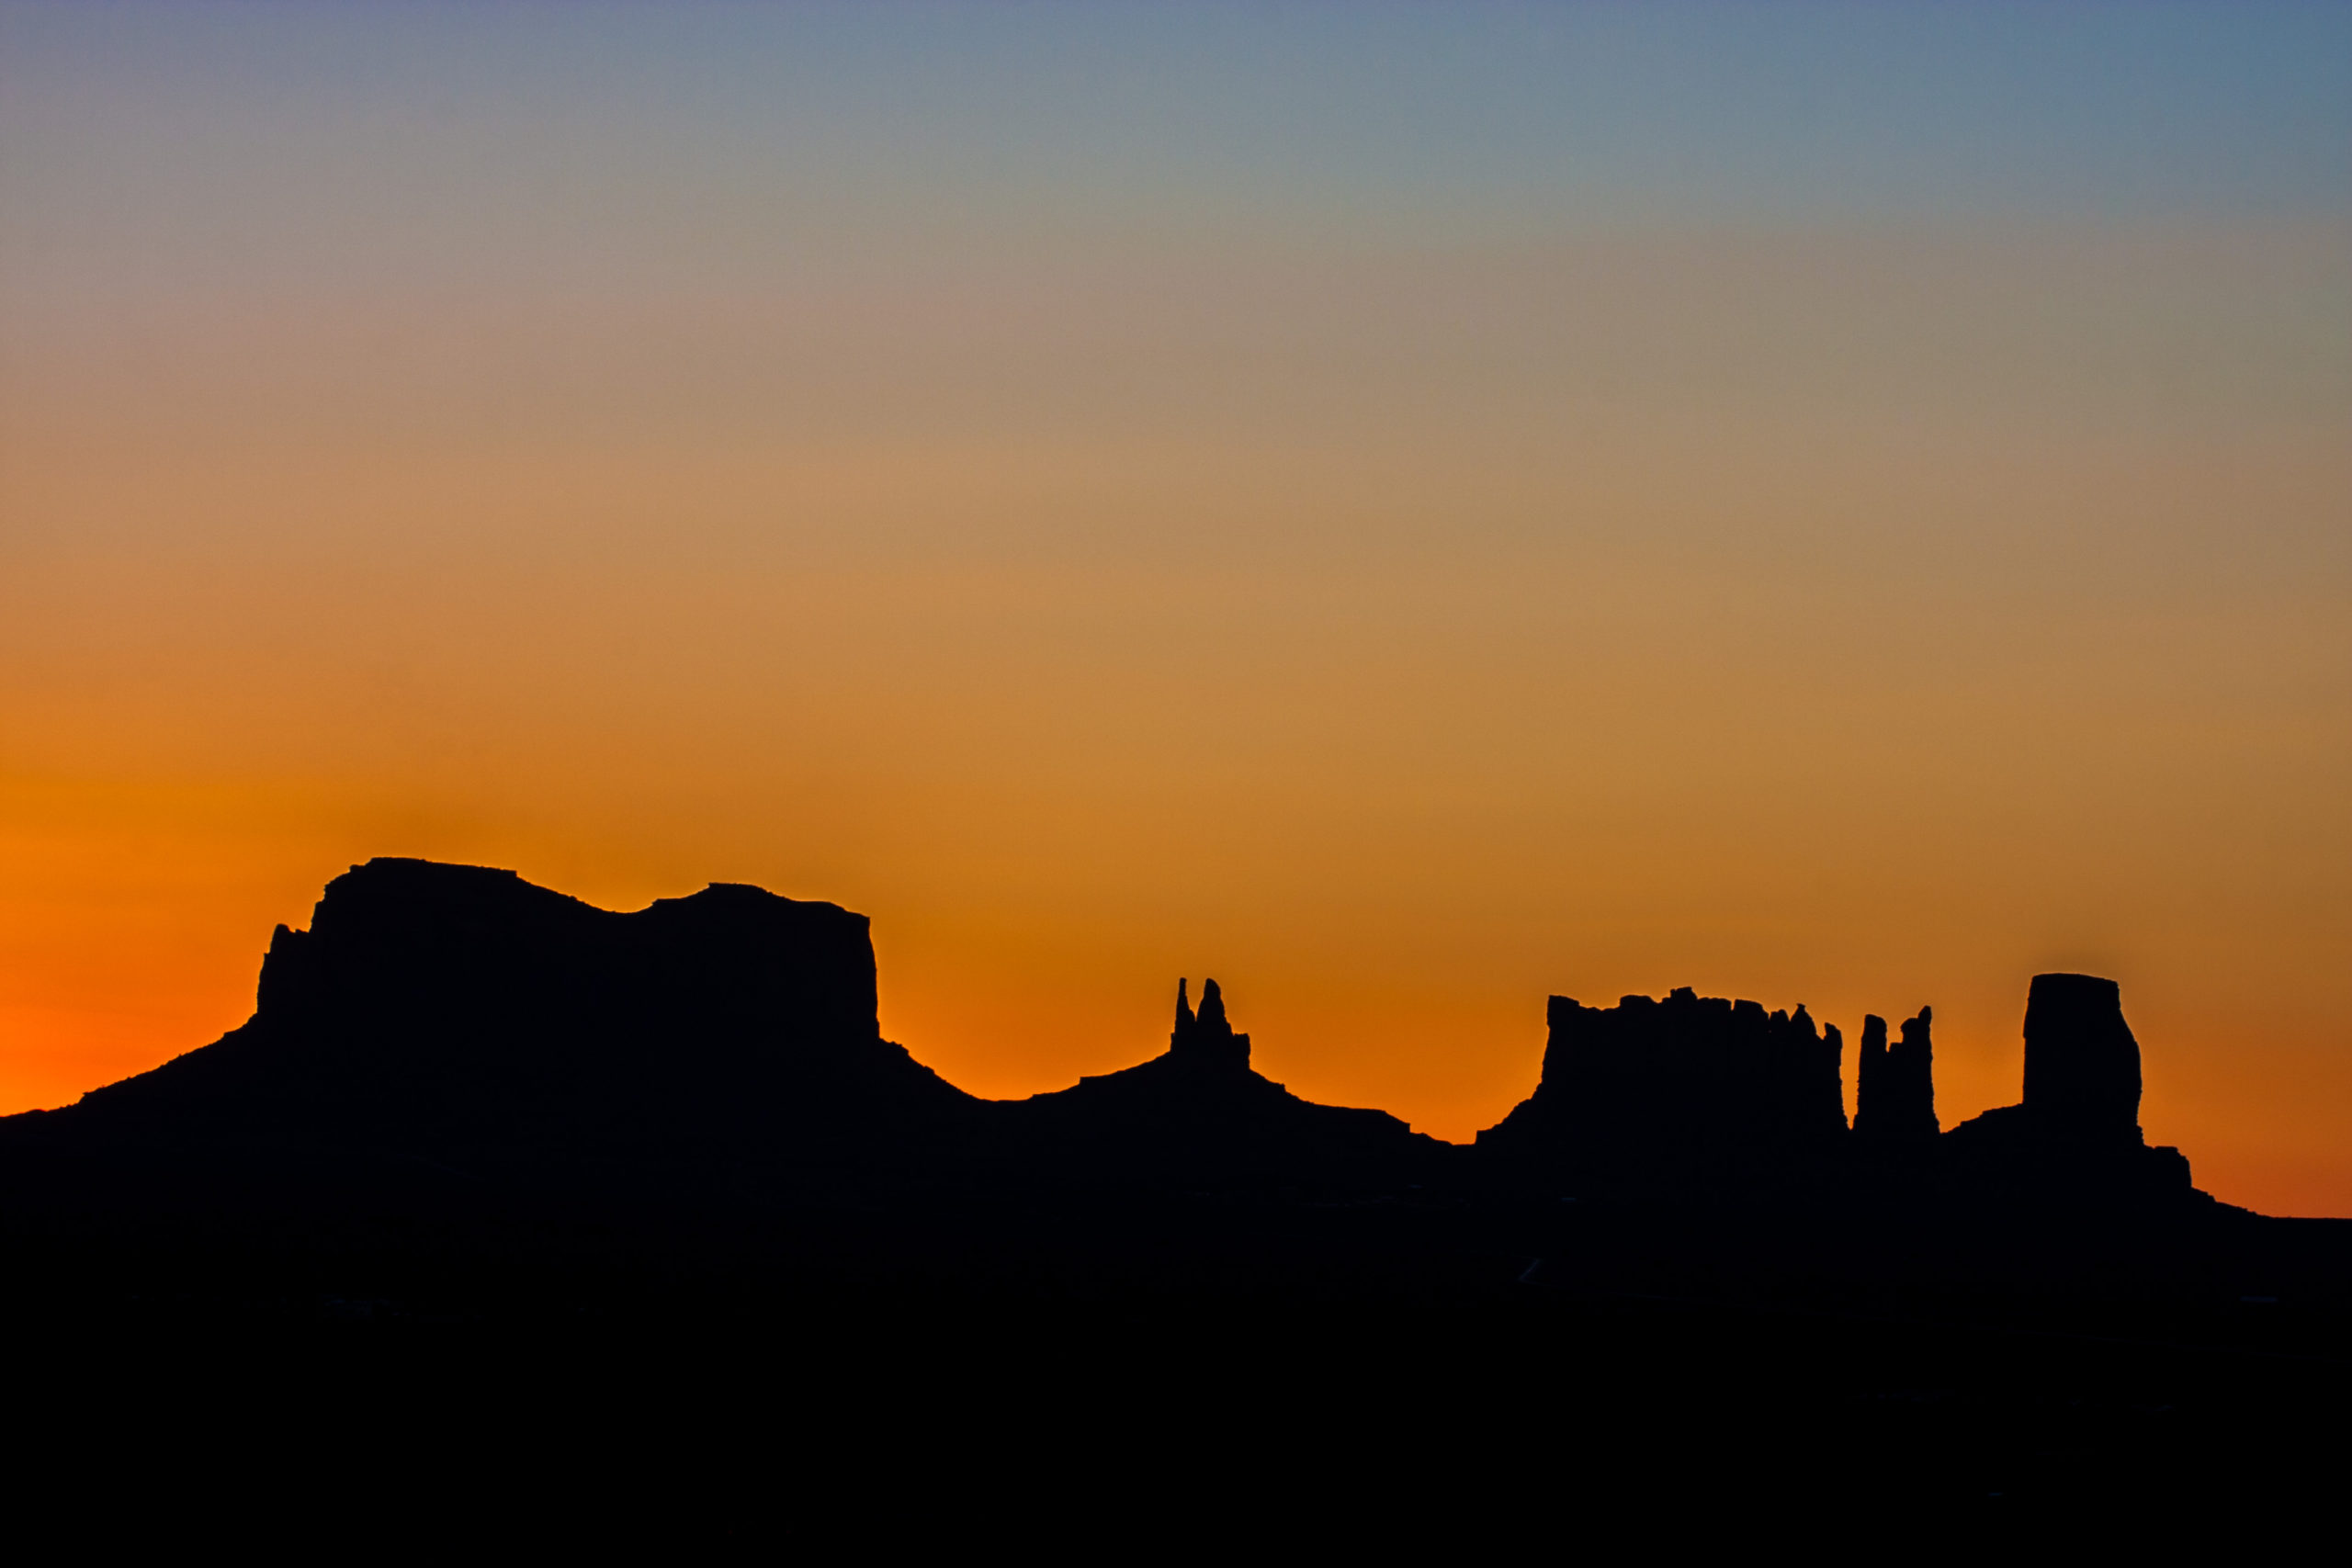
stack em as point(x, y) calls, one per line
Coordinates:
point(2078, 1126)
point(1198, 1113)
point(1677, 1084)
point(447, 1006)
point(1895, 1090)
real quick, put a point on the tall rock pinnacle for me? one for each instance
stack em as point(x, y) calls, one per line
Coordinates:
point(2081, 1065)
point(1895, 1090)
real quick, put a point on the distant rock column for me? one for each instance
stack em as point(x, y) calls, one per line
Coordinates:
point(1894, 1090)
point(1870, 1071)
point(1911, 1077)
point(2081, 1065)
point(2076, 1136)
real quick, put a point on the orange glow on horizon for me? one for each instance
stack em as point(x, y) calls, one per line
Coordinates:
point(1387, 531)
point(168, 927)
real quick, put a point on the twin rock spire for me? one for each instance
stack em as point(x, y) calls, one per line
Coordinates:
point(1894, 1091)
point(1206, 1036)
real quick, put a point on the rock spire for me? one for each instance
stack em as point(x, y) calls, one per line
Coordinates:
point(1207, 1036)
point(1895, 1090)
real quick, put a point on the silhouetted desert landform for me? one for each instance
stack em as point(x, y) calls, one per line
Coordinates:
point(1699, 1095)
point(446, 1009)
point(456, 1013)
point(471, 1116)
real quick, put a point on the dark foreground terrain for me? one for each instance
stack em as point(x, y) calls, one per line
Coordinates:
point(546, 1226)
point(1450, 1368)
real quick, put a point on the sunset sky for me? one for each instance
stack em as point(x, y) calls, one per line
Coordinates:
point(1406, 510)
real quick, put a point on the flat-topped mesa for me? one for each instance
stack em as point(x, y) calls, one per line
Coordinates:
point(1207, 1036)
point(445, 1005)
point(1687, 1075)
point(1895, 1090)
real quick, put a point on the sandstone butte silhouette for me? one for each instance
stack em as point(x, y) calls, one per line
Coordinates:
point(463, 1016)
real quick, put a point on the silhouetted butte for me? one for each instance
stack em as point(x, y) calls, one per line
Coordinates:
point(1686, 1090)
point(452, 1008)
point(2077, 1131)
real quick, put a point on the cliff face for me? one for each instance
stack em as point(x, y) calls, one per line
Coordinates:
point(1690, 1076)
point(435, 1005)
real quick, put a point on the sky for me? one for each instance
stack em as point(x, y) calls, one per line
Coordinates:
point(1405, 509)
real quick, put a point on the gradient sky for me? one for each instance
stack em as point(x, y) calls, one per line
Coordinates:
point(1406, 510)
